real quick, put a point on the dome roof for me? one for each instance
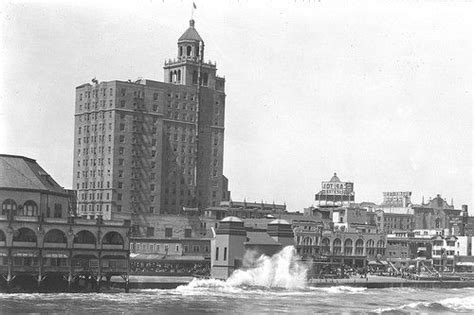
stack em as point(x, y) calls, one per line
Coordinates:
point(335, 178)
point(231, 219)
point(280, 221)
point(190, 34)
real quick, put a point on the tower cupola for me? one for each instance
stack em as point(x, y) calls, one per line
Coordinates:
point(188, 43)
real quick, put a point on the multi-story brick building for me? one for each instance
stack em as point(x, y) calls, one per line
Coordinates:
point(152, 147)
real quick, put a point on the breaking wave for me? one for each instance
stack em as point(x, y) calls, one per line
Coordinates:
point(282, 270)
point(456, 304)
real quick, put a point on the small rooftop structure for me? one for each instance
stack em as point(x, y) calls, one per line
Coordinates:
point(231, 219)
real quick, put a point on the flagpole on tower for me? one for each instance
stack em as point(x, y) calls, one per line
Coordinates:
point(192, 10)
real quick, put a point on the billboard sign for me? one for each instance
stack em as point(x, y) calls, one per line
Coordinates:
point(337, 188)
point(397, 198)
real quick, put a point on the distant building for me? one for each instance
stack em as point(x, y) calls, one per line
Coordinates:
point(406, 248)
point(438, 214)
point(145, 146)
point(244, 209)
point(396, 221)
point(353, 219)
point(335, 193)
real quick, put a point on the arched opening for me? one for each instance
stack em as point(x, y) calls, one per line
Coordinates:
point(179, 75)
point(24, 235)
point(370, 247)
point(171, 76)
point(359, 247)
point(112, 238)
point(188, 50)
point(30, 209)
point(325, 246)
point(3, 237)
point(205, 79)
point(348, 247)
point(9, 206)
point(180, 51)
point(336, 246)
point(55, 236)
point(307, 241)
point(437, 223)
point(84, 237)
point(195, 77)
point(381, 247)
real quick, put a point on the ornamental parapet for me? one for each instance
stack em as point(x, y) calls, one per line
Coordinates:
point(185, 59)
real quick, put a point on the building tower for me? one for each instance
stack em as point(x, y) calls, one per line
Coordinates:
point(146, 147)
point(280, 230)
point(227, 247)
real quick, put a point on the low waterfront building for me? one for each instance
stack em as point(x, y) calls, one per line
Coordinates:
point(170, 256)
point(232, 241)
point(39, 237)
point(405, 248)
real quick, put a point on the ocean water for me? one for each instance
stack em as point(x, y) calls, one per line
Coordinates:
point(216, 299)
point(273, 285)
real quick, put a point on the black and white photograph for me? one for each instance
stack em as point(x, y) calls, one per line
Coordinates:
point(236, 157)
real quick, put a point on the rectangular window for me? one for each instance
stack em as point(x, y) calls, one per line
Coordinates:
point(225, 253)
point(217, 253)
point(187, 233)
point(150, 231)
point(168, 232)
point(58, 211)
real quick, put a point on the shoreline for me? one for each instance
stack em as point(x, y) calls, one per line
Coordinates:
point(371, 282)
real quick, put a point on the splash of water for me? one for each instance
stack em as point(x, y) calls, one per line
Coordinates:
point(282, 270)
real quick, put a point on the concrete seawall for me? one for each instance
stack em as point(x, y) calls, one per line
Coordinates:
point(372, 282)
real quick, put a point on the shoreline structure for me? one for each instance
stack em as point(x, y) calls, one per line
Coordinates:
point(371, 282)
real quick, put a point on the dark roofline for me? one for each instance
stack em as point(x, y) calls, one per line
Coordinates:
point(42, 191)
point(18, 157)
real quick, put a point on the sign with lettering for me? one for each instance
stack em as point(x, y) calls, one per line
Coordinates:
point(337, 188)
point(397, 198)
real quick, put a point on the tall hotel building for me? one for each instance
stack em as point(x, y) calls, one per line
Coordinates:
point(152, 147)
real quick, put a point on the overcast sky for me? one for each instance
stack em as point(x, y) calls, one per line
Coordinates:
point(380, 93)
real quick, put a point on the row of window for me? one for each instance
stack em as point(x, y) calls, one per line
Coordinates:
point(94, 116)
point(94, 207)
point(87, 106)
point(96, 93)
point(29, 208)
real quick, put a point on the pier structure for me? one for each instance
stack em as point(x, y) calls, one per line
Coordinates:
point(42, 241)
point(74, 249)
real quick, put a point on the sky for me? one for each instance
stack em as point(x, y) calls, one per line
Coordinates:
point(380, 93)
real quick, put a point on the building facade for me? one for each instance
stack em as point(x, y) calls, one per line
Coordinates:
point(152, 147)
point(40, 237)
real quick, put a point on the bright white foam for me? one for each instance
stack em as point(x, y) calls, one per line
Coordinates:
point(282, 270)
